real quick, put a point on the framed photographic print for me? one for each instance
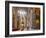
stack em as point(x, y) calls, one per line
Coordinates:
point(24, 18)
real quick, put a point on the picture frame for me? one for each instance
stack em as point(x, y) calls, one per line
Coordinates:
point(12, 8)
